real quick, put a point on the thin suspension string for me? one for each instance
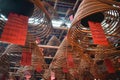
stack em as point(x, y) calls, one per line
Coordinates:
point(55, 5)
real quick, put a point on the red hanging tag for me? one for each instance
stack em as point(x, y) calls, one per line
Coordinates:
point(71, 18)
point(109, 66)
point(70, 60)
point(65, 70)
point(98, 33)
point(37, 40)
point(38, 68)
point(15, 30)
point(26, 58)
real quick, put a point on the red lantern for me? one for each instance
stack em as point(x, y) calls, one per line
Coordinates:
point(98, 33)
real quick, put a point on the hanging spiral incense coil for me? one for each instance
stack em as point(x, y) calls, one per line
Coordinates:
point(37, 56)
point(98, 11)
point(40, 21)
point(40, 25)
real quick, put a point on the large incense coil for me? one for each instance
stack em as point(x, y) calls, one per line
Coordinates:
point(59, 60)
point(12, 48)
point(54, 41)
point(5, 57)
point(59, 56)
point(24, 68)
point(40, 26)
point(88, 7)
point(4, 65)
point(110, 23)
point(37, 56)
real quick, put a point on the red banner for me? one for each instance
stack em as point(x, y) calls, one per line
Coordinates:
point(26, 58)
point(98, 34)
point(15, 30)
point(109, 66)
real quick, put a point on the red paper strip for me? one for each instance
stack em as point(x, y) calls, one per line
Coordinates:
point(109, 66)
point(70, 60)
point(98, 34)
point(71, 18)
point(15, 30)
point(26, 58)
point(65, 70)
point(38, 68)
point(37, 40)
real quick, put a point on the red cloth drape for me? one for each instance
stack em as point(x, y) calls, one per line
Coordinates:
point(109, 66)
point(26, 58)
point(98, 34)
point(15, 30)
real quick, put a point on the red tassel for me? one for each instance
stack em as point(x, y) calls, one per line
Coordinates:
point(109, 66)
point(26, 58)
point(98, 34)
point(15, 30)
